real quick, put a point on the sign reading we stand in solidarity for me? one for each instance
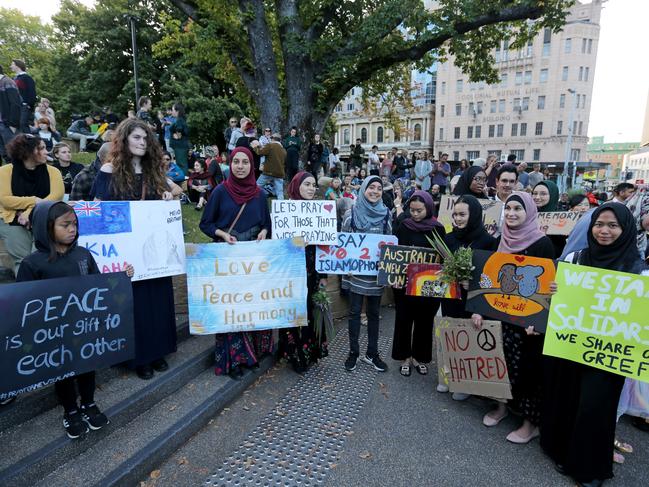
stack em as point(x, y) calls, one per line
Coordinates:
point(598, 317)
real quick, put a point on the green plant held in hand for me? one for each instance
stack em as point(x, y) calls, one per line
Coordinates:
point(322, 318)
point(457, 266)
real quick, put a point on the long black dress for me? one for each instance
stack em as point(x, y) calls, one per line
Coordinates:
point(153, 299)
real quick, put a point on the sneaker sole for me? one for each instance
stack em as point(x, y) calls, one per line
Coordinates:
point(350, 369)
point(369, 362)
point(94, 428)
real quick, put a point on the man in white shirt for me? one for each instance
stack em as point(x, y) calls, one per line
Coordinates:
point(373, 161)
point(622, 192)
point(506, 180)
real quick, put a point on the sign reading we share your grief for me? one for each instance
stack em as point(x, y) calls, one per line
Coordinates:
point(599, 318)
point(246, 286)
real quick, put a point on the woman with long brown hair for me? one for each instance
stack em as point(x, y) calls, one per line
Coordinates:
point(134, 171)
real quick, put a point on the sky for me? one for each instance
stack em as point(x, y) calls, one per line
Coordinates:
point(621, 84)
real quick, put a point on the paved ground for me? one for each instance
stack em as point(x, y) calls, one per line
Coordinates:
point(335, 428)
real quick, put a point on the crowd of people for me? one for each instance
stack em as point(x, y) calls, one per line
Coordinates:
point(573, 408)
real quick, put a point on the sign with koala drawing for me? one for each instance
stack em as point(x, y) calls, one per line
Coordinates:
point(511, 288)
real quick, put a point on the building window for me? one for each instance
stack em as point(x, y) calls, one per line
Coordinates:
point(458, 109)
point(581, 127)
point(528, 77)
point(499, 130)
point(547, 37)
point(479, 107)
point(590, 46)
point(564, 73)
point(456, 155)
point(583, 101)
point(530, 48)
point(559, 127)
point(492, 130)
point(397, 137)
point(541, 103)
point(456, 133)
point(562, 101)
point(586, 71)
point(526, 103)
point(514, 129)
point(503, 80)
point(346, 136)
point(574, 127)
point(471, 108)
point(417, 131)
point(584, 43)
point(497, 54)
point(442, 110)
point(441, 133)
point(493, 106)
point(350, 107)
point(581, 73)
point(543, 78)
point(494, 153)
point(352, 91)
point(539, 128)
point(459, 85)
point(430, 92)
point(478, 131)
point(575, 154)
point(364, 135)
point(523, 131)
point(568, 46)
point(519, 78)
point(517, 104)
point(501, 106)
point(443, 87)
point(536, 155)
point(519, 153)
point(472, 154)
point(469, 132)
point(379, 135)
point(339, 107)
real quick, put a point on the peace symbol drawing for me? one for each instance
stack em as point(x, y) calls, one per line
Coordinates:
point(486, 340)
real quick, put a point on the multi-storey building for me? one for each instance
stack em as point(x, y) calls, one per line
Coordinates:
point(543, 97)
point(610, 153)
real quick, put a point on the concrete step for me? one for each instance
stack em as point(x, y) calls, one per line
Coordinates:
point(34, 448)
point(37, 402)
point(130, 452)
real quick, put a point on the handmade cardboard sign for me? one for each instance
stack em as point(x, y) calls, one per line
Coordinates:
point(469, 360)
point(246, 286)
point(558, 222)
point(58, 328)
point(599, 318)
point(491, 212)
point(511, 288)
point(313, 220)
point(393, 266)
point(146, 234)
point(426, 280)
point(354, 253)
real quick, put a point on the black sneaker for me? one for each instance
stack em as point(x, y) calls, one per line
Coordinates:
point(350, 363)
point(93, 417)
point(74, 425)
point(376, 362)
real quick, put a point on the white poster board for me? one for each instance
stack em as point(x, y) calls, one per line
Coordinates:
point(313, 220)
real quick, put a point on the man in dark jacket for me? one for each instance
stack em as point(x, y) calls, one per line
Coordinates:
point(9, 112)
point(80, 130)
point(357, 155)
point(27, 88)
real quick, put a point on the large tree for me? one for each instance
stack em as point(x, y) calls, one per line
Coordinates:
point(298, 58)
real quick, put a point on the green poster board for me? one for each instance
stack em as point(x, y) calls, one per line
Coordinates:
point(600, 318)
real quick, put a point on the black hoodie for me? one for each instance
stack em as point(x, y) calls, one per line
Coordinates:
point(77, 261)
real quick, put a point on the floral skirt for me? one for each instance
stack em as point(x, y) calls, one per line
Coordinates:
point(243, 348)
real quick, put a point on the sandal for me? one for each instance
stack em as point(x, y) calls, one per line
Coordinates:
point(405, 370)
point(622, 447)
point(618, 458)
point(422, 369)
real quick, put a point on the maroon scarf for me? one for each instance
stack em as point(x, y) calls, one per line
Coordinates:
point(296, 182)
point(242, 190)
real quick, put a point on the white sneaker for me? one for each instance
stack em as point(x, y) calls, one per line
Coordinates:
point(441, 388)
point(460, 396)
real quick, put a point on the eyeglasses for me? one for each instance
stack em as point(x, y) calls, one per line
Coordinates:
point(233, 121)
point(480, 179)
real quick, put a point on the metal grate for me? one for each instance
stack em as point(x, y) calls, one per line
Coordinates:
point(297, 443)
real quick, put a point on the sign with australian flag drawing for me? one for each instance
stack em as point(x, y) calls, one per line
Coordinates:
point(146, 234)
point(511, 288)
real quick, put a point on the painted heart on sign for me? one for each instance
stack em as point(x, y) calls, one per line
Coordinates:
point(519, 258)
point(329, 207)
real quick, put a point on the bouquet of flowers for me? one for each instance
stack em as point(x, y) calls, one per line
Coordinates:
point(458, 265)
point(323, 320)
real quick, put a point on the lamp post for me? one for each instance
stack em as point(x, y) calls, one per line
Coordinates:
point(568, 153)
point(131, 20)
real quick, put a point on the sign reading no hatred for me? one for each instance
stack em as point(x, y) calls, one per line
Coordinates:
point(314, 221)
point(59, 328)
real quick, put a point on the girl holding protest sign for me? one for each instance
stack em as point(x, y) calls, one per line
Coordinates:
point(368, 215)
point(300, 345)
point(237, 211)
point(413, 322)
point(581, 402)
point(133, 172)
point(523, 347)
point(57, 255)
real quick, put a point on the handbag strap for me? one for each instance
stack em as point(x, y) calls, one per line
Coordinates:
point(236, 219)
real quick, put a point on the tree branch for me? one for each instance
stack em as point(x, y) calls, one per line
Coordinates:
point(189, 8)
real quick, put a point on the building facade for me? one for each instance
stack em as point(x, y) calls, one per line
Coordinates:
point(637, 166)
point(610, 153)
point(543, 88)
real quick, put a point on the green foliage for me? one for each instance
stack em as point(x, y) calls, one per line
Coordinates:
point(191, 219)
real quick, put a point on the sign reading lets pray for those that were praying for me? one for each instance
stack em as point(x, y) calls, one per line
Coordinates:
point(599, 318)
point(313, 220)
point(246, 286)
point(354, 253)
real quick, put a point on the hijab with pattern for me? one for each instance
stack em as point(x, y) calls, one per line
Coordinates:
point(514, 240)
point(242, 190)
point(429, 222)
point(296, 182)
point(366, 214)
point(554, 196)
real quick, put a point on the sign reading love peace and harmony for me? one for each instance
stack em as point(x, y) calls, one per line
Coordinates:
point(354, 253)
point(145, 234)
point(314, 221)
point(59, 328)
point(470, 360)
point(599, 318)
point(558, 222)
point(491, 211)
point(246, 286)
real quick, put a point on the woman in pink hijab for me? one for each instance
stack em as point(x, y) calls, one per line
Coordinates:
point(523, 347)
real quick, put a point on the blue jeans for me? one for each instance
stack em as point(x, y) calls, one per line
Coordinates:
point(273, 186)
point(372, 311)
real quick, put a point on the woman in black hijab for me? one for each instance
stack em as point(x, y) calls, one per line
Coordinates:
point(472, 182)
point(580, 402)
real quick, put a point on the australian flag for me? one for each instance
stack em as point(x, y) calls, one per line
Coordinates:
point(103, 217)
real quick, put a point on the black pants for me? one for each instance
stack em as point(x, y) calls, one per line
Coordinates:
point(413, 327)
point(314, 169)
point(372, 311)
point(67, 392)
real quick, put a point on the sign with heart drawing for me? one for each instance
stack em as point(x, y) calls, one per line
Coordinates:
point(313, 220)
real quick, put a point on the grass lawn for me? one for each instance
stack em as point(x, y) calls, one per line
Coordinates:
point(84, 158)
point(191, 218)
